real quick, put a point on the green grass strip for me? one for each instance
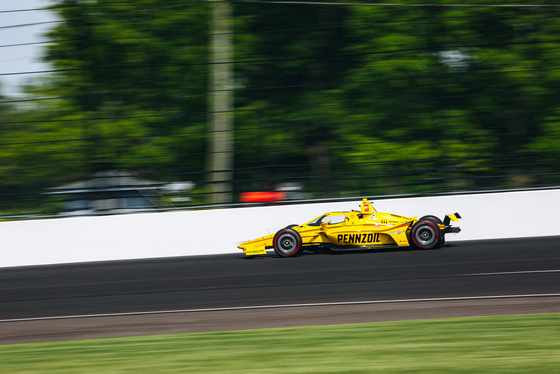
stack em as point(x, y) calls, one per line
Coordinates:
point(508, 344)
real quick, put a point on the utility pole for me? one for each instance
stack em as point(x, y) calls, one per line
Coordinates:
point(220, 167)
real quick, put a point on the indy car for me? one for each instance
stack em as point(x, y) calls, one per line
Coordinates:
point(356, 229)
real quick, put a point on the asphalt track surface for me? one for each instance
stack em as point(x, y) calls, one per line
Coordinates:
point(226, 292)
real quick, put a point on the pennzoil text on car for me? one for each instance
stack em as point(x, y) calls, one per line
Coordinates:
point(356, 229)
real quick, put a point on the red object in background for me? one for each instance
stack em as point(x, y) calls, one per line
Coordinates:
point(262, 197)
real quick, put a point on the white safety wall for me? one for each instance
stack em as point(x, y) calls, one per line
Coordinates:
point(219, 231)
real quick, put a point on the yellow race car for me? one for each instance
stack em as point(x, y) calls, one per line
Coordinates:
point(357, 229)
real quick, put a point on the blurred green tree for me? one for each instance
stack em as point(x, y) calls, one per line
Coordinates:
point(369, 100)
point(136, 74)
point(448, 91)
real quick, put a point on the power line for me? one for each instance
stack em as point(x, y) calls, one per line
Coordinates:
point(441, 135)
point(87, 6)
point(30, 43)
point(30, 24)
point(298, 86)
point(295, 2)
point(98, 5)
point(24, 10)
point(239, 110)
point(186, 4)
point(270, 148)
point(236, 32)
point(342, 56)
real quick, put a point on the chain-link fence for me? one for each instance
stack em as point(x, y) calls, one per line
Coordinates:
point(319, 102)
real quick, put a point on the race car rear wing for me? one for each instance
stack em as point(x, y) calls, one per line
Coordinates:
point(447, 220)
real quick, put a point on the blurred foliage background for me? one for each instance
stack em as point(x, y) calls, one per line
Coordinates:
point(344, 100)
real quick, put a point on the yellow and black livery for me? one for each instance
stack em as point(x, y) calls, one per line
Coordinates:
point(357, 229)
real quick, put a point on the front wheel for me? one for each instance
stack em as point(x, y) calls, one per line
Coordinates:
point(287, 243)
point(425, 234)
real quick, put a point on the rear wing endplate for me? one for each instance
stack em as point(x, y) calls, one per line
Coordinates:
point(451, 217)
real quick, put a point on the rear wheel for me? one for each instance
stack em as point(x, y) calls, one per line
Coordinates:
point(425, 234)
point(439, 222)
point(432, 218)
point(287, 243)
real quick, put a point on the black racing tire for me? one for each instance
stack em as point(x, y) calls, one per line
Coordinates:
point(425, 234)
point(433, 218)
point(439, 222)
point(287, 243)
